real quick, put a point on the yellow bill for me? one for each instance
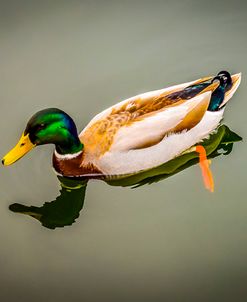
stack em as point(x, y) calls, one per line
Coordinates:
point(24, 145)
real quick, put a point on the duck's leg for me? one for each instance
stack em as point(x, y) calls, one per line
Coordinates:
point(204, 165)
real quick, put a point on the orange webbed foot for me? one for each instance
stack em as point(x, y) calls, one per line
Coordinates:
point(204, 165)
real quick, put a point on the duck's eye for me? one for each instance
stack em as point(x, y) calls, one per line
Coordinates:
point(40, 127)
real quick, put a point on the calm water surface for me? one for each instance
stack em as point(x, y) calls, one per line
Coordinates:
point(169, 241)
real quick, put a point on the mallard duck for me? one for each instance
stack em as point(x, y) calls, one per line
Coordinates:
point(135, 135)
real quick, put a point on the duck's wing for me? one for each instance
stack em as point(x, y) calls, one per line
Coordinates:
point(139, 101)
point(144, 119)
point(150, 129)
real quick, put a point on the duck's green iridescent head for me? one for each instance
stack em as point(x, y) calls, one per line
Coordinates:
point(48, 126)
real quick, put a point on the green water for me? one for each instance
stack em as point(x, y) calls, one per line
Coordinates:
point(169, 241)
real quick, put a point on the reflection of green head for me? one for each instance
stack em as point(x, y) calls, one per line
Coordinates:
point(54, 126)
point(62, 211)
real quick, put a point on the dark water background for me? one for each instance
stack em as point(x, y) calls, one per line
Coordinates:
point(171, 241)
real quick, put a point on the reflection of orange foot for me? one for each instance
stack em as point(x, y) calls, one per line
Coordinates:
point(204, 165)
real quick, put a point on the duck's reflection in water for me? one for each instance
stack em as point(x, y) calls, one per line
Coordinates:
point(65, 209)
